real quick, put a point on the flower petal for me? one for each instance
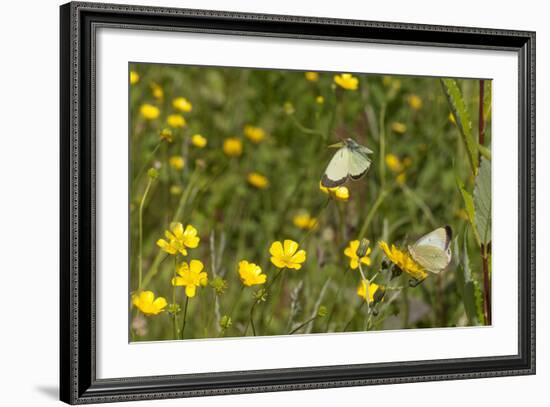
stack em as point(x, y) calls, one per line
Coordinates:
point(276, 250)
point(290, 247)
point(196, 266)
point(190, 291)
point(299, 257)
point(278, 262)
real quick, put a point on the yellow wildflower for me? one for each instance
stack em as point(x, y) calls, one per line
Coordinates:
point(176, 190)
point(190, 276)
point(257, 180)
point(351, 252)
point(401, 178)
point(346, 81)
point(251, 274)
point(404, 261)
point(399, 127)
point(166, 135)
point(320, 100)
point(232, 147)
point(199, 141)
point(386, 80)
point(182, 104)
point(176, 162)
point(394, 163)
point(362, 290)
point(176, 121)
point(340, 193)
point(134, 77)
point(145, 302)
point(149, 111)
point(287, 255)
point(254, 134)
point(312, 76)
point(157, 91)
point(415, 102)
point(304, 221)
point(179, 239)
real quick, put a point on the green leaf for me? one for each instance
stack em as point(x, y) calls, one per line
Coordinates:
point(464, 277)
point(478, 294)
point(462, 118)
point(482, 202)
point(487, 100)
point(469, 207)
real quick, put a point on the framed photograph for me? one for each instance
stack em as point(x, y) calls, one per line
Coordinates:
point(255, 203)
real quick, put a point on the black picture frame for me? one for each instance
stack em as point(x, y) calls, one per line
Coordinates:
point(78, 382)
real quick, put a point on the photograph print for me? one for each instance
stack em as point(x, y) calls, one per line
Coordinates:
point(275, 202)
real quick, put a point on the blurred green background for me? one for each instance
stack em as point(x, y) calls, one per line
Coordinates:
point(284, 121)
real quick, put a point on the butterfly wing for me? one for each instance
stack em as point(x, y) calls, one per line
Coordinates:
point(359, 164)
point(433, 251)
point(431, 258)
point(337, 170)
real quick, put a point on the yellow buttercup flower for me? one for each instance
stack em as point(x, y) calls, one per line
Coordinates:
point(340, 193)
point(190, 276)
point(351, 252)
point(312, 76)
point(251, 274)
point(304, 221)
point(320, 100)
point(134, 77)
point(176, 121)
point(166, 135)
point(398, 127)
point(176, 162)
point(254, 134)
point(394, 163)
point(182, 104)
point(149, 112)
point(346, 81)
point(287, 255)
point(179, 239)
point(176, 190)
point(199, 141)
point(157, 91)
point(232, 147)
point(415, 102)
point(145, 302)
point(404, 261)
point(257, 180)
point(362, 290)
point(401, 178)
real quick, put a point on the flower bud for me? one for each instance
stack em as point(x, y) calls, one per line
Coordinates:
point(322, 311)
point(362, 248)
point(153, 173)
point(225, 322)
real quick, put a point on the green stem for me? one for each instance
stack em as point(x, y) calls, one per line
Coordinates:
point(151, 156)
point(175, 317)
point(382, 142)
point(140, 236)
point(302, 325)
point(184, 316)
point(372, 212)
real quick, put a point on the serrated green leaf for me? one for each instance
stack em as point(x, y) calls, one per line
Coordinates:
point(482, 201)
point(464, 277)
point(487, 100)
point(479, 302)
point(469, 207)
point(462, 118)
